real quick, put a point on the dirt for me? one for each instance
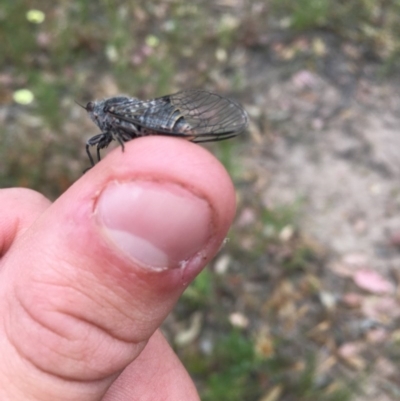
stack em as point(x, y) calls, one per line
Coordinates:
point(347, 173)
point(333, 145)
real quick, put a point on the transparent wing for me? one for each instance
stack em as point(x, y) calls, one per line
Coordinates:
point(201, 115)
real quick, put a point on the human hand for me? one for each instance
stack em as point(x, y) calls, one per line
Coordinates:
point(86, 281)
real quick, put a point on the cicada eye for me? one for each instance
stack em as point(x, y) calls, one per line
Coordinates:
point(89, 107)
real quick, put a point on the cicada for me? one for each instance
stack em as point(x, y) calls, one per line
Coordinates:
point(196, 115)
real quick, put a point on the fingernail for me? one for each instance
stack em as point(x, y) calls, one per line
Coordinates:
point(158, 225)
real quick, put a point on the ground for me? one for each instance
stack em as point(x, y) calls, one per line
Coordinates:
point(336, 152)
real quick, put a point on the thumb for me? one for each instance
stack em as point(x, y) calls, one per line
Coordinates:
point(84, 289)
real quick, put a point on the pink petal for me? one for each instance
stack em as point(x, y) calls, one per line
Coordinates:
point(371, 281)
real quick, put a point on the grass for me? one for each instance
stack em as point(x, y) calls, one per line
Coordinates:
point(234, 371)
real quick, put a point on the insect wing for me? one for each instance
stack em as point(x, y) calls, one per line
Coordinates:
point(212, 117)
point(203, 116)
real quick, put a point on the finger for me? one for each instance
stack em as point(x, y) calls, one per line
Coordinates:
point(19, 208)
point(101, 268)
point(172, 380)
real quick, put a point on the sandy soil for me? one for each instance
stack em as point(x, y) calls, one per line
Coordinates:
point(334, 146)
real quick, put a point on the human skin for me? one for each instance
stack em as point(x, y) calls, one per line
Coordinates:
point(87, 280)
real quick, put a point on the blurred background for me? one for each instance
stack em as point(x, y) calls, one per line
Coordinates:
point(303, 301)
